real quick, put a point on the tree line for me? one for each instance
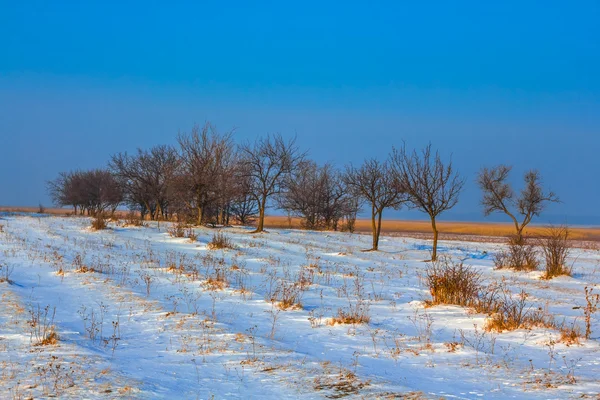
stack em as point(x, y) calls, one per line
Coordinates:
point(208, 179)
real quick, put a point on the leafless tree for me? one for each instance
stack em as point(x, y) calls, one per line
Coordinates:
point(146, 176)
point(208, 159)
point(62, 191)
point(267, 162)
point(430, 185)
point(316, 194)
point(374, 183)
point(498, 196)
point(243, 205)
point(94, 191)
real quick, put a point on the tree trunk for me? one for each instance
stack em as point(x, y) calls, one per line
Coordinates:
point(520, 233)
point(199, 222)
point(374, 228)
point(261, 215)
point(435, 239)
point(379, 227)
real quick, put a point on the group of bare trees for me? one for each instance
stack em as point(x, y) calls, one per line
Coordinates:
point(419, 180)
point(208, 179)
point(320, 196)
point(94, 191)
point(205, 179)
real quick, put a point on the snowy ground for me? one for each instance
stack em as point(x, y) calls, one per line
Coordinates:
point(151, 319)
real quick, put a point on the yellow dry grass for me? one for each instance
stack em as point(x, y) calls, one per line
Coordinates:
point(456, 228)
point(491, 229)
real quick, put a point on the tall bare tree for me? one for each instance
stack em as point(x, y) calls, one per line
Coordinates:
point(267, 162)
point(498, 196)
point(374, 183)
point(207, 158)
point(146, 177)
point(431, 186)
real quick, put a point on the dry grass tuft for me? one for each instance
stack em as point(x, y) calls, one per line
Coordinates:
point(516, 313)
point(99, 222)
point(217, 280)
point(356, 314)
point(287, 295)
point(569, 334)
point(51, 339)
point(453, 283)
point(220, 241)
point(85, 270)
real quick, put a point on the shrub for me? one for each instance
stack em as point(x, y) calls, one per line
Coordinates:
point(132, 219)
point(555, 248)
point(177, 230)
point(220, 241)
point(191, 234)
point(520, 255)
point(99, 222)
point(516, 313)
point(453, 283)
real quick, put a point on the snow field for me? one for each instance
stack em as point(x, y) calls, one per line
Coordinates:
point(140, 314)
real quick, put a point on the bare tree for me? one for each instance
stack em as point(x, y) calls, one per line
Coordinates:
point(243, 205)
point(94, 191)
point(316, 194)
point(62, 191)
point(498, 196)
point(146, 176)
point(374, 183)
point(431, 186)
point(207, 160)
point(267, 162)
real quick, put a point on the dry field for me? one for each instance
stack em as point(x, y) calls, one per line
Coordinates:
point(449, 230)
point(473, 231)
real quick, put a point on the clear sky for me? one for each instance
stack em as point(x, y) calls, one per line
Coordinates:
point(489, 82)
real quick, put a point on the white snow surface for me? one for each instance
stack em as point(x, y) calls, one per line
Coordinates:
point(183, 337)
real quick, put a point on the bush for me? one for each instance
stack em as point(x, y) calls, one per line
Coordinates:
point(555, 248)
point(177, 230)
point(133, 219)
point(516, 313)
point(191, 234)
point(520, 255)
point(453, 283)
point(220, 241)
point(99, 222)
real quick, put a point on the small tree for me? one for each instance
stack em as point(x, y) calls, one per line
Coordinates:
point(266, 163)
point(498, 196)
point(431, 186)
point(316, 194)
point(374, 183)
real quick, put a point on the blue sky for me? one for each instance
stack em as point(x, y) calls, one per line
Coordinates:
point(488, 82)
